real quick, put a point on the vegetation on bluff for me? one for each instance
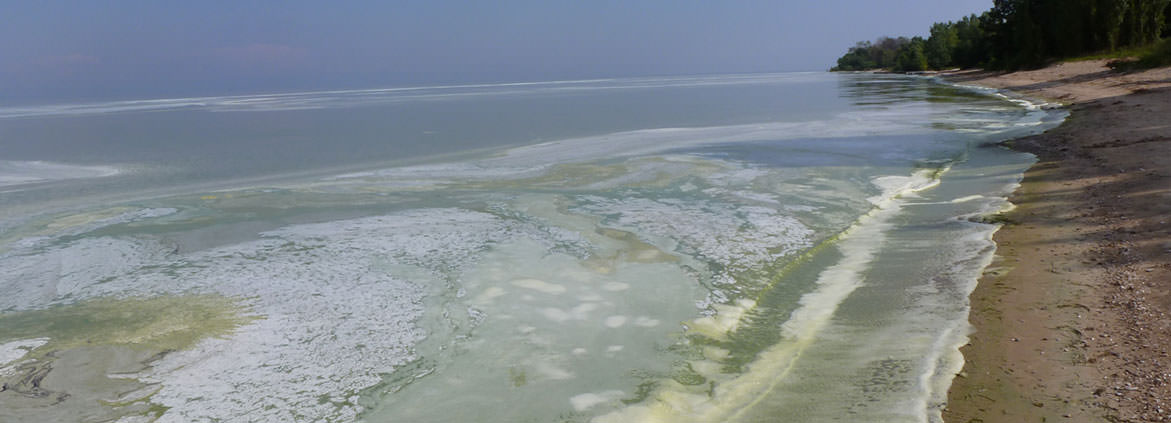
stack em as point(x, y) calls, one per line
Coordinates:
point(1018, 34)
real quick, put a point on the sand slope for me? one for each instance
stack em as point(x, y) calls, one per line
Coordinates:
point(1071, 320)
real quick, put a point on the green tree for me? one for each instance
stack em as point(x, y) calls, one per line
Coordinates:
point(885, 51)
point(1167, 21)
point(911, 56)
point(1069, 30)
point(858, 58)
point(1018, 39)
point(1107, 23)
point(1024, 33)
point(972, 46)
point(941, 45)
point(881, 54)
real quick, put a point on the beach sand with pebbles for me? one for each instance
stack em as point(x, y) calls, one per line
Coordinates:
point(1071, 321)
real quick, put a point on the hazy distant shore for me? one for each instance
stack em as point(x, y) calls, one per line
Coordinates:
point(1071, 319)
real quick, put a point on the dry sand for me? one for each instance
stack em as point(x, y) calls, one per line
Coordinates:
point(1071, 321)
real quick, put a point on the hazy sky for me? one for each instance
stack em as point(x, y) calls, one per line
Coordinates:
point(68, 50)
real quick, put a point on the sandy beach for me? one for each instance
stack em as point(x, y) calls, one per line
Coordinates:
point(1070, 321)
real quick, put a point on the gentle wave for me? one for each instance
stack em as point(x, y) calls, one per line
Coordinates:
point(732, 397)
point(379, 96)
point(31, 172)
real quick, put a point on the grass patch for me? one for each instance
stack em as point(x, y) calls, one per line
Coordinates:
point(1153, 56)
point(1120, 54)
point(1159, 56)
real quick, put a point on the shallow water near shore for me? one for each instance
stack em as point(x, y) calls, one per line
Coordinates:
point(753, 248)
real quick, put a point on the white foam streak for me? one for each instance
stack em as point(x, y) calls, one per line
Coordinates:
point(380, 96)
point(533, 159)
point(15, 350)
point(737, 237)
point(31, 172)
point(733, 398)
point(649, 141)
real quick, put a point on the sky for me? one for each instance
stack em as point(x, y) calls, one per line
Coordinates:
point(52, 51)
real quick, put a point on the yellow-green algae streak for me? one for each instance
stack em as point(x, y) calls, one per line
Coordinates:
point(733, 341)
point(112, 333)
point(165, 323)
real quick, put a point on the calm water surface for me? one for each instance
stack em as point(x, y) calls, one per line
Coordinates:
point(746, 248)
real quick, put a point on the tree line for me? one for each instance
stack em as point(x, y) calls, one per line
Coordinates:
point(1018, 34)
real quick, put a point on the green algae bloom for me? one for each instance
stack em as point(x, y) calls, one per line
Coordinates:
point(164, 323)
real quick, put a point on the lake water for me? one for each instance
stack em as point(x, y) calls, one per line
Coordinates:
point(741, 248)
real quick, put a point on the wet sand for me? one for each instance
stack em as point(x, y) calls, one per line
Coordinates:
point(1071, 319)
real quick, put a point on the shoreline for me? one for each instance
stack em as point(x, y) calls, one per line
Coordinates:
point(1070, 321)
